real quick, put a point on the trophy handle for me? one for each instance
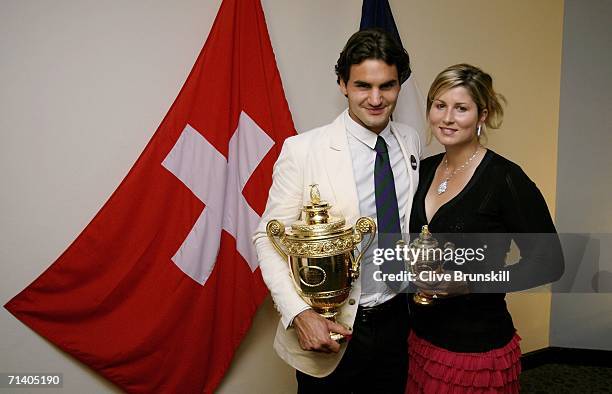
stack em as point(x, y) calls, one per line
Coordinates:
point(274, 228)
point(363, 226)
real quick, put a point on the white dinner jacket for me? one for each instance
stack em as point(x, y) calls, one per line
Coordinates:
point(320, 156)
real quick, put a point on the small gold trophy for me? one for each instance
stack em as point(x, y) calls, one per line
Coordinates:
point(426, 261)
point(320, 250)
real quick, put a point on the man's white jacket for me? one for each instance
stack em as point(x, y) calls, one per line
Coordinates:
point(318, 156)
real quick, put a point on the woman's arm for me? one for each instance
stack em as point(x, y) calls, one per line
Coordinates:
point(530, 225)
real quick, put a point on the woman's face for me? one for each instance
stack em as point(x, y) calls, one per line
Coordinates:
point(453, 117)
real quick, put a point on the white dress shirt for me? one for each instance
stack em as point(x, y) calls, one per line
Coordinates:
point(361, 143)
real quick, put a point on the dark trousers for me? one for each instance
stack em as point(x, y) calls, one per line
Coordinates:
point(376, 359)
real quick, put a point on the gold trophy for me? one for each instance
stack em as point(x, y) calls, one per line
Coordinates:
point(320, 250)
point(426, 260)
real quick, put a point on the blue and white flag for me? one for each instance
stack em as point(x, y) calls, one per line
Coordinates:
point(410, 107)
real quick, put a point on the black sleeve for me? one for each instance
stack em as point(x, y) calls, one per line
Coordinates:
point(530, 225)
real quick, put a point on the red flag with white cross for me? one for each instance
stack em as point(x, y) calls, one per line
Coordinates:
point(159, 289)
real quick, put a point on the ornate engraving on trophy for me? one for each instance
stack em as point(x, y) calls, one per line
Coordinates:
point(312, 276)
point(425, 262)
point(320, 251)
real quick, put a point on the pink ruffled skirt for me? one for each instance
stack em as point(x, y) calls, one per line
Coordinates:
point(436, 370)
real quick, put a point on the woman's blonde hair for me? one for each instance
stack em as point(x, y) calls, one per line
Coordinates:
point(479, 85)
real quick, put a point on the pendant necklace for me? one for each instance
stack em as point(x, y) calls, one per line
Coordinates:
point(444, 184)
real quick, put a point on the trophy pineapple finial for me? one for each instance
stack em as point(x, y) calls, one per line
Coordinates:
point(315, 195)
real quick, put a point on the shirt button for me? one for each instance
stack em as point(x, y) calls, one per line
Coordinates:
point(352, 301)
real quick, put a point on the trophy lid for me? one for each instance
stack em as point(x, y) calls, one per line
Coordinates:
point(425, 240)
point(316, 219)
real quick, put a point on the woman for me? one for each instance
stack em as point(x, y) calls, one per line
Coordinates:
point(465, 341)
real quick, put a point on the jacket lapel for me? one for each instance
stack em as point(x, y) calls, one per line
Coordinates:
point(337, 164)
point(339, 168)
point(413, 175)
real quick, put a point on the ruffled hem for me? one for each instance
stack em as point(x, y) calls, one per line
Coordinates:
point(436, 370)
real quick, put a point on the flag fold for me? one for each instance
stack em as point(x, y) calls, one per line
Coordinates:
point(410, 107)
point(158, 290)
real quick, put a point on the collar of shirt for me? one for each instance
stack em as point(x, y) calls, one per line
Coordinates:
point(364, 135)
point(361, 143)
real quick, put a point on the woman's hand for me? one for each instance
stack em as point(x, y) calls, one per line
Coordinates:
point(442, 288)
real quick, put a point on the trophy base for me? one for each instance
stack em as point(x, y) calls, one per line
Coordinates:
point(331, 315)
point(423, 299)
point(337, 337)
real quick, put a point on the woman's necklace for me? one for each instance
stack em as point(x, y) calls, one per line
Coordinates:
point(444, 184)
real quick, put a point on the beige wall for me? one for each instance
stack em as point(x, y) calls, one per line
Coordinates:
point(85, 84)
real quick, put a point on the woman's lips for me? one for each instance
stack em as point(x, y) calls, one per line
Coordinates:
point(447, 130)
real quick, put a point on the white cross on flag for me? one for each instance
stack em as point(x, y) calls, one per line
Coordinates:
point(159, 289)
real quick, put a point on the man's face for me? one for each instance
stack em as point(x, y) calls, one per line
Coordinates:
point(372, 91)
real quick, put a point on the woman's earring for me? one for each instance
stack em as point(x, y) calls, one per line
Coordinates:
point(478, 130)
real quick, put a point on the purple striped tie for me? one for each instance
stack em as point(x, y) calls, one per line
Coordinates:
point(387, 212)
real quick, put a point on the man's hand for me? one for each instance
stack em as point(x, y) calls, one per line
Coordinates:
point(313, 332)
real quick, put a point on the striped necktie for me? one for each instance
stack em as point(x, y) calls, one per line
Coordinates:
point(387, 212)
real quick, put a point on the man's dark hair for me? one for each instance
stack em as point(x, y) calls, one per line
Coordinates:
point(376, 44)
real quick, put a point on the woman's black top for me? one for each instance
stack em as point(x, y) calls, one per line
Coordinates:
point(499, 199)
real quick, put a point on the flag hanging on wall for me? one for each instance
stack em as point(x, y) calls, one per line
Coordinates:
point(410, 107)
point(159, 289)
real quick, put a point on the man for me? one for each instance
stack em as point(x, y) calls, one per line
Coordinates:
point(364, 165)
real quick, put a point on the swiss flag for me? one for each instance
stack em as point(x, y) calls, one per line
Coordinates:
point(159, 289)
